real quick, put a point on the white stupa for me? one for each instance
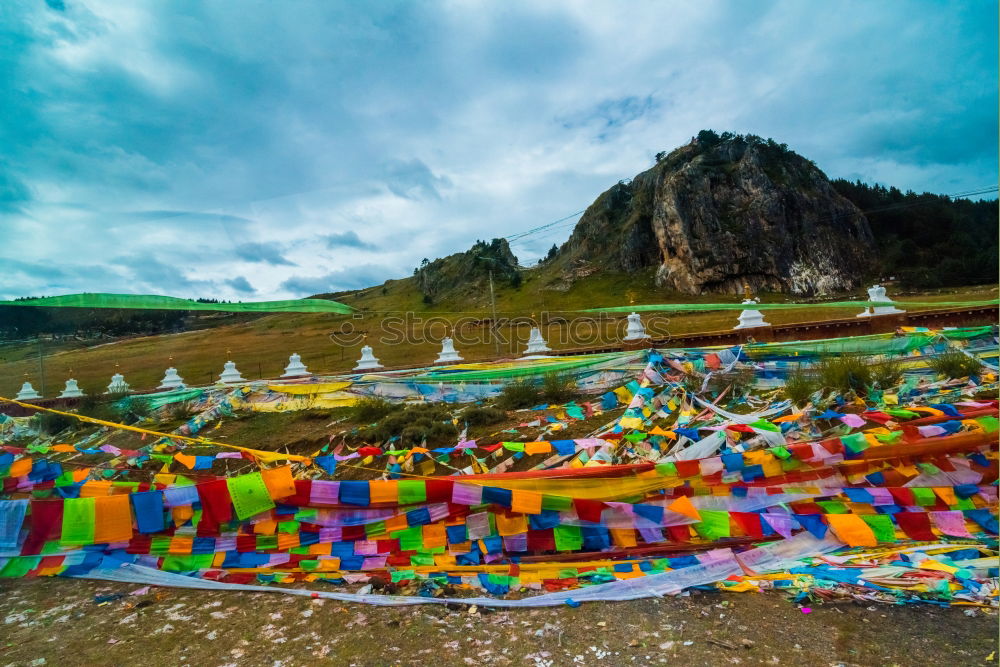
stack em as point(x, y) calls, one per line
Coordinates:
point(536, 344)
point(448, 353)
point(635, 329)
point(118, 384)
point(295, 367)
point(750, 318)
point(367, 361)
point(27, 391)
point(230, 374)
point(877, 293)
point(71, 390)
point(171, 380)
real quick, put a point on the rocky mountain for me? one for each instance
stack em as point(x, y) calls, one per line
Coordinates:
point(467, 272)
point(721, 212)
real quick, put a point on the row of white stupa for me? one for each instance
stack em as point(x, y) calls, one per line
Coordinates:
point(537, 347)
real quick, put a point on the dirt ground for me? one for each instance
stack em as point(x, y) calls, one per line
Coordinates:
point(53, 621)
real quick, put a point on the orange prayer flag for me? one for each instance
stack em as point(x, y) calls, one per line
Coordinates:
point(434, 535)
point(112, 519)
point(659, 431)
point(186, 460)
point(683, 505)
point(383, 491)
point(527, 502)
point(265, 527)
point(623, 537)
point(852, 529)
point(541, 447)
point(279, 482)
point(20, 467)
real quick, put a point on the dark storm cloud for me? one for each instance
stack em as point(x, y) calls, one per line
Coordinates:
point(261, 252)
point(346, 240)
point(241, 284)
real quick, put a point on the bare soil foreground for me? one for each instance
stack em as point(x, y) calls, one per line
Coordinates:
point(59, 622)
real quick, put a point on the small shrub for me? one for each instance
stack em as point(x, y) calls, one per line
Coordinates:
point(100, 407)
point(845, 373)
point(888, 371)
point(519, 394)
point(483, 416)
point(557, 388)
point(50, 423)
point(800, 386)
point(954, 363)
point(370, 409)
point(413, 425)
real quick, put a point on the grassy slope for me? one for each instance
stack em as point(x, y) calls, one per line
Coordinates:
point(261, 346)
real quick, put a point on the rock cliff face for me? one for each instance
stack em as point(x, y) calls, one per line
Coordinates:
point(722, 212)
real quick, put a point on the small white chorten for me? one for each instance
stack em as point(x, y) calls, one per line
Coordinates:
point(27, 391)
point(230, 374)
point(749, 318)
point(877, 293)
point(448, 353)
point(71, 390)
point(635, 329)
point(367, 361)
point(118, 384)
point(295, 367)
point(171, 380)
point(536, 344)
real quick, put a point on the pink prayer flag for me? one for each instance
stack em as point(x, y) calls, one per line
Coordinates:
point(781, 523)
point(322, 492)
point(466, 494)
point(478, 525)
point(852, 420)
point(950, 523)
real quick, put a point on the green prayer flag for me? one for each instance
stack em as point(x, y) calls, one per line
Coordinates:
point(78, 521)
point(411, 491)
point(714, 524)
point(410, 539)
point(833, 506)
point(855, 443)
point(557, 503)
point(249, 495)
point(989, 424)
point(568, 538)
point(889, 438)
point(881, 525)
point(924, 496)
point(781, 453)
point(666, 469)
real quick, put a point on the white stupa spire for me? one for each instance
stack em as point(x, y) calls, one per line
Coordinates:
point(295, 367)
point(368, 361)
point(27, 391)
point(230, 374)
point(448, 353)
point(171, 380)
point(635, 329)
point(536, 344)
point(751, 318)
point(118, 385)
point(72, 390)
point(876, 293)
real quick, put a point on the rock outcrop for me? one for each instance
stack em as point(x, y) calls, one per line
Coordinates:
point(722, 212)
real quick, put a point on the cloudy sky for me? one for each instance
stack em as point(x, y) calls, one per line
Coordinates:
point(253, 150)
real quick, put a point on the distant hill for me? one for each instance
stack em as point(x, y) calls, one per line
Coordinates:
point(927, 240)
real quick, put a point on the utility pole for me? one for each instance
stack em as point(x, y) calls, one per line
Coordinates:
point(41, 365)
point(493, 306)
